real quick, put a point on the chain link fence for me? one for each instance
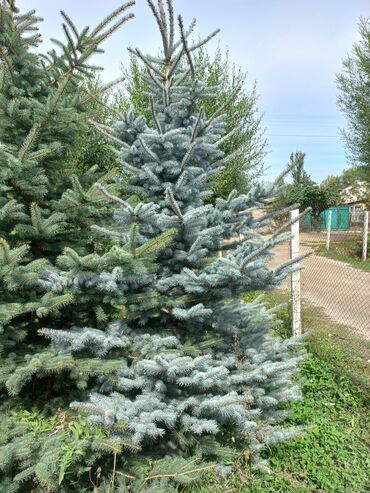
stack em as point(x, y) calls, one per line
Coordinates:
point(334, 285)
point(330, 297)
point(336, 276)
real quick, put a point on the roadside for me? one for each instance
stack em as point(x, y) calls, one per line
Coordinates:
point(341, 291)
point(335, 343)
point(344, 248)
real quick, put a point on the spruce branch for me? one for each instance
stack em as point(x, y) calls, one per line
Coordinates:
point(151, 175)
point(272, 240)
point(8, 64)
point(174, 205)
point(39, 154)
point(185, 46)
point(222, 108)
point(114, 198)
point(154, 116)
point(289, 223)
point(114, 28)
point(111, 17)
point(290, 262)
point(69, 22)
point(182, 77)
point(276, 214)
point(279, 180)
point(161, 21)
point(256, 253)
point(131, 169)
point(156, 244)
point(188, 154)
point(2, 80)
point(148, 151)
point(227, 136)
point(155, 80)
point(204, 41)
point(133, 238)
point(103, 131)
point(197, 123)
point(171, 23)
point(146, 62)
point(29, 142)
point(187, 34)
point(174, 64)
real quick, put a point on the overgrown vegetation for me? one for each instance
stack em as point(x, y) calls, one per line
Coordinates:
point(332, 454)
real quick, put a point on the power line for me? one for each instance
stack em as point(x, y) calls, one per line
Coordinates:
point(304, 135)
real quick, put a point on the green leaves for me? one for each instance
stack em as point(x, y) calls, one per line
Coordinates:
point(353, 100)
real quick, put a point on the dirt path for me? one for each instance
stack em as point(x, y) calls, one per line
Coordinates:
point(341, 290)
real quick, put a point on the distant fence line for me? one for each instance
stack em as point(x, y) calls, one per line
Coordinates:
point(336, 277)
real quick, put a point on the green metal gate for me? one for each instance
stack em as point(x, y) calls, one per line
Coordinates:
point(339, 220)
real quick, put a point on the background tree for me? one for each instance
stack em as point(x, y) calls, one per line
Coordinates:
point(90, 149)
point(353, 100)
point(299, 175)
point(304, 191)
point(355, 177)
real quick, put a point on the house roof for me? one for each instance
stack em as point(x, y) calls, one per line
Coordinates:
point(355, 193)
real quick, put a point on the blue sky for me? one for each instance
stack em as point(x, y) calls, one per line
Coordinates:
point(292, 48)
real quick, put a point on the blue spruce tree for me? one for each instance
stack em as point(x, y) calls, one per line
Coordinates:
point(202, 373)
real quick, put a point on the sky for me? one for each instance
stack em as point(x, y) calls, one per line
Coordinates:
point(293, 49)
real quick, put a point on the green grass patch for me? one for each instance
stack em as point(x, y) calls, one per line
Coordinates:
point(344, 251)
point(334, 343)
point(332, 454)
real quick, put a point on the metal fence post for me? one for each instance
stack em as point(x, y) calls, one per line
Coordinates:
point(365, 235)
point(328, 230)
point(295, 278)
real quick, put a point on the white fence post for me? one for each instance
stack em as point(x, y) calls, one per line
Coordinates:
point(328, 231)
point(295, 277)
point(365, 235)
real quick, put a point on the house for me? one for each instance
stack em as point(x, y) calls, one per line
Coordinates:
point(354, 196)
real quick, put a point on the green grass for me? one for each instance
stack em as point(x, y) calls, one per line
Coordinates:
point(332, 454)
point(344, 251)
point(334, 343)
point(347, 352)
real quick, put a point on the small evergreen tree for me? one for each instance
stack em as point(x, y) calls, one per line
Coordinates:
point(201, 372)
point(42, 209)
